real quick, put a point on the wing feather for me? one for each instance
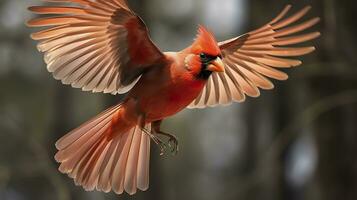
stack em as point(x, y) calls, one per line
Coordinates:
point(254, 57)
point(93, 45)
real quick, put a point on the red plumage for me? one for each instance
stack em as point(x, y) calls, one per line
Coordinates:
point(103, 46)
point(205, 43)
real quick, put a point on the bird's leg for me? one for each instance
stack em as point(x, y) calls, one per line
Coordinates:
point(157, 140)
point(173, 141)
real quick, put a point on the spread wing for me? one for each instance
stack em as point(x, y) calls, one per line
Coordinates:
point(96, 45)
point(254, 57)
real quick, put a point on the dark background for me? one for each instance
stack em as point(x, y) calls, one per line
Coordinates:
point(296, 142)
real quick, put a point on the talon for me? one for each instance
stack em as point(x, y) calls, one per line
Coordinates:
point(173, 143)
point(157, 141)
point(162, 146)
point(162, 151)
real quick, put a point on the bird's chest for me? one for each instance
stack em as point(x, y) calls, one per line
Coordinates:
point(164, 91)
point(184, 94)
point(172, 98)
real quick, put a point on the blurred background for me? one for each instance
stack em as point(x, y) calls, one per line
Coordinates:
point(296, 142)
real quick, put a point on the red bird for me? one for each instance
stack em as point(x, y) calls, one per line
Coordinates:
point(103, 46)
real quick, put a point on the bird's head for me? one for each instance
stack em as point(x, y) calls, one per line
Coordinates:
point(205, 56)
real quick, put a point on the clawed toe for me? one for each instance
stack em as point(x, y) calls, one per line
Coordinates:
point(172, 142)
point(162, 147)
point(161, 144)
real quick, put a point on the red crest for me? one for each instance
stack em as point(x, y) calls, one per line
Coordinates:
point(205, 43)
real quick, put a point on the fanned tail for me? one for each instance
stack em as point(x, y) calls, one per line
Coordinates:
point(98, 159)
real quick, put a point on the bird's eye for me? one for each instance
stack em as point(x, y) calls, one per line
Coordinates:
point(206, 58)
point(203, 56)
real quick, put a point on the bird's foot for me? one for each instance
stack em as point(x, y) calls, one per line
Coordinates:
point(161, 144)
point(172, 142)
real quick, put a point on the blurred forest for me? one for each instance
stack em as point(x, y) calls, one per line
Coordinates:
point(296, 142)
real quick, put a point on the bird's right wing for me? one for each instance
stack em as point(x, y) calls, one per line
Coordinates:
point(96, 45)
point(251, 58)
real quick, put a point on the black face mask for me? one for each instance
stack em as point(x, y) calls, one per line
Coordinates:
point(205, 60)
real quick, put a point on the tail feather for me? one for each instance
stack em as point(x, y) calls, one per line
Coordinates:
point(96, 161)
point(86, 128)
point(132, 174)
point(107, 169)
point(144, 158)
point(118, 176)
point(108, 165)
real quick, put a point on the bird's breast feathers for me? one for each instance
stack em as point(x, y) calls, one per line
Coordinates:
point(172, 98)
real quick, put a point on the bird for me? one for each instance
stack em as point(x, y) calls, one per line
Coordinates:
point(103, 46)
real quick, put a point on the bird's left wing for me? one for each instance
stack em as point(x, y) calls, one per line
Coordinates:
point(96, 45)
point(252, 57)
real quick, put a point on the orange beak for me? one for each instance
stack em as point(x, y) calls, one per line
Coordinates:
point(216, 66)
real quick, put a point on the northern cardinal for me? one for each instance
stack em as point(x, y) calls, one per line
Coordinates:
point(103, 46)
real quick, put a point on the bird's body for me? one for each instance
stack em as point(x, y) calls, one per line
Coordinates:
point(103, 46)
point(164, 86)
point(158, 93)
